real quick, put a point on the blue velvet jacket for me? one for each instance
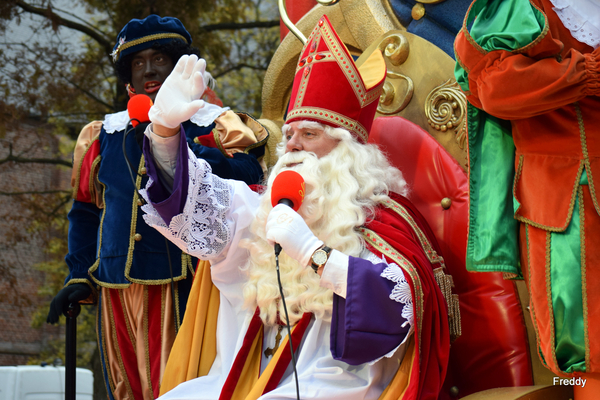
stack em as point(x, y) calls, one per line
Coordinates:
point(440, 23)
point(109, 242)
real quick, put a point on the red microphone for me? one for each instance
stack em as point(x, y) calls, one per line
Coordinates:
point(138, 107)
point(288, 189)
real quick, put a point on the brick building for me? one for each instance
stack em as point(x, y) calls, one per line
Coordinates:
point(21, 247)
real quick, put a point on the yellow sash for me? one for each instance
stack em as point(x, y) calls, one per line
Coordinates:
point(195, 346)
point(397, 387)
point(194, 349)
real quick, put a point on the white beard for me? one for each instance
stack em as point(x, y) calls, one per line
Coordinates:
point(331, 220)
point(342, 190)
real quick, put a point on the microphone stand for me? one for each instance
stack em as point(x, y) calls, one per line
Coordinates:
point(278, 249)
point(71, 351)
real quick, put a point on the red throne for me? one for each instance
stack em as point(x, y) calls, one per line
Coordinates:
point(493, 349)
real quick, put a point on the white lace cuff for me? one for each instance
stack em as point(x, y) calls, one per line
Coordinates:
point(401, 292)
point(202, 230)
point(207, 114)
point(582, 18)
point(203, 117)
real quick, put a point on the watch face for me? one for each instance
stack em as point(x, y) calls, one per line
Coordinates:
point(320, 257)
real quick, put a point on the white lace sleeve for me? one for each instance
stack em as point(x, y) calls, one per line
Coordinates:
point(582, 18)
point(202, 230)
point(401, 292)
point(207, 114)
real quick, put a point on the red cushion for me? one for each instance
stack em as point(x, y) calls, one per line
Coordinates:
point(493, 350)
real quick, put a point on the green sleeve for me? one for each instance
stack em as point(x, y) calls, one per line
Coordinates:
point(493, 232)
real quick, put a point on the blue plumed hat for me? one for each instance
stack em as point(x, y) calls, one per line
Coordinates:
point(141, 34)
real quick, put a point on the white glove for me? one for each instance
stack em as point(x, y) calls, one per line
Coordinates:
point(286, 227)
point(177, 99)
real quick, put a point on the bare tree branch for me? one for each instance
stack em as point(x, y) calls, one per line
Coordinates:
point(54, 161)
point(80, 19)
point(34, 192)
point(236, 67)
point(11, 157)
point(66, 199)
point(240, 25)
point(108, 11)
point(108, 45)
point(47, 13)
point(86, 92)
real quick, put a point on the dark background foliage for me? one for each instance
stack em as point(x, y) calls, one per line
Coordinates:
point(56, 75)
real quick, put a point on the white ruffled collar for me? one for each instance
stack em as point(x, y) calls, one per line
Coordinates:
point(115, 122)
point(204, 117)
point(582, 18)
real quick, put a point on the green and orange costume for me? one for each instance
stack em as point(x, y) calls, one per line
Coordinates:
point(534, 158)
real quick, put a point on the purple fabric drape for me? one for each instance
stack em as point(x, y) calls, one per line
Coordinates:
point(168, 203)
point(367, 324)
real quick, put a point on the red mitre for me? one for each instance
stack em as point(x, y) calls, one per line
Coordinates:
point(330, 88)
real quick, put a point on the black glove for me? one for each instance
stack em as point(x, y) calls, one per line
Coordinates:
point(71, 294)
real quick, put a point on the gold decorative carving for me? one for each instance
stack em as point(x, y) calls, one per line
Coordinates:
point(395, 49)
point(373, 21)
point(418, 11)
point(390, 103)
point(445, 108)
point(426, 66)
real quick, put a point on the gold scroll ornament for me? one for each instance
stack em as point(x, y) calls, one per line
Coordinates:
point(421, 88)
point(416, 69)
point(445, 108)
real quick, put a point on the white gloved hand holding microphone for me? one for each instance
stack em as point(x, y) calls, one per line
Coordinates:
point(286, 227)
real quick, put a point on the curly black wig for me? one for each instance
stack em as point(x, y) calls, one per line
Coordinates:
point(174, 50)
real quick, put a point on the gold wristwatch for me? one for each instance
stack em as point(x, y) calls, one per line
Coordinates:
point(320, 257)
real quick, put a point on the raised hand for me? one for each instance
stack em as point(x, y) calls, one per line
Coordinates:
point(178, 98)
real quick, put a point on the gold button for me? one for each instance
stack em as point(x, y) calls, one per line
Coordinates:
point(446, 203)
point(143, 170)
point(454, 392)
point(137, 237)
point(139, 202)
point(418, 11)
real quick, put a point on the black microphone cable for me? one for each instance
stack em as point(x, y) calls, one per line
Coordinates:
point(143, 201)
point(287, 319)
point(128, 162)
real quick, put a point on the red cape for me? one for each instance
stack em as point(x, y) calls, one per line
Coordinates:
point(403, 236)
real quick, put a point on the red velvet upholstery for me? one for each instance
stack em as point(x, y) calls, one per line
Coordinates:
point(493, 350)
